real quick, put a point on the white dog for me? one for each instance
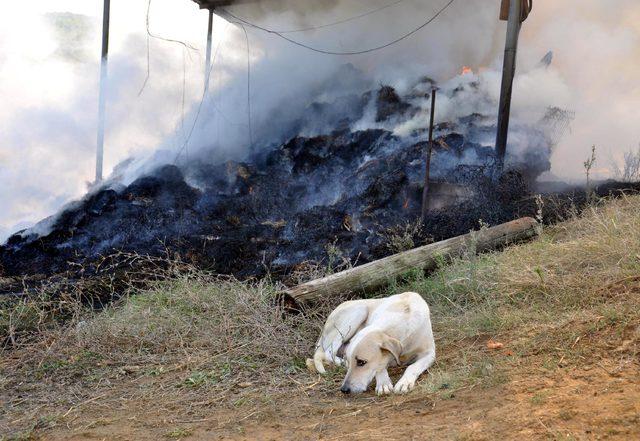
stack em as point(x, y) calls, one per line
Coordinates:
point(374, 334)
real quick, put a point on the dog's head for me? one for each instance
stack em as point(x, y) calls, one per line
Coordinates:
point(368, 353)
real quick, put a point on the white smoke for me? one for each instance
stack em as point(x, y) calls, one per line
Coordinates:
point(49, 69)
point(49, 90)
point(596, 45)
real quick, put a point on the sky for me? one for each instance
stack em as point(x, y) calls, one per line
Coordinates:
point(49, 69)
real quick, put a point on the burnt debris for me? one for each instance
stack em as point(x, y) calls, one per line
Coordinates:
point(285, 206)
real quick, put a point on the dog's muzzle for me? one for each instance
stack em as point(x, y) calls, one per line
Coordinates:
point(345, 390)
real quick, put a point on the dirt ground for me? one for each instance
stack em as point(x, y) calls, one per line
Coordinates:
point(599, 400)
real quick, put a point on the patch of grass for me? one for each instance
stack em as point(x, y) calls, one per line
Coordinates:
point(31, 432)
point(179, 433)
point(156, 371)
point(79, 363)
point(539, 398)
point(566, 415)
point(232, 331)
point(28, 435)
point(212, 377)
point(405, 237)
point(23, 318)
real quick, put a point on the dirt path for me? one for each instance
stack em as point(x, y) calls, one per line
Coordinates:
point(599, 401)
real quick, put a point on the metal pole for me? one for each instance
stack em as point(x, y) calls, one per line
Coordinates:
point(508, 73)
point(207, 64)
point(104, 61)
point(427, 176)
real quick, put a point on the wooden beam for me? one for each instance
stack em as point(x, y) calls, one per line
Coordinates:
point(375, 275)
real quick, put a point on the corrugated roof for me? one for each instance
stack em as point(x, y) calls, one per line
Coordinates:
point(212, 4)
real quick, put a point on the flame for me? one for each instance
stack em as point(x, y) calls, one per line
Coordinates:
point(406, 204)
point(466, 70)
point(251, 190)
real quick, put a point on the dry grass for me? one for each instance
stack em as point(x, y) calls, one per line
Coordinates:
point(201, 339)
point(197, 339)
point(228, 332)
point(568, 295)
point(405, 237)
point(25, 319)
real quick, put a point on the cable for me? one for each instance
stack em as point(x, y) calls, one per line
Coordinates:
point(158, 37)
point(204, 94)
point(346, 20)
point(168, 40)
point(327, 52)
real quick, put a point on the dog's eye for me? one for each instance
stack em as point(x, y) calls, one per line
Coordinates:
point(360, 362)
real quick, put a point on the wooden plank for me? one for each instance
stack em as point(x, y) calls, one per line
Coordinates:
point(504, 10)
point(374, 275)
point(527, 5)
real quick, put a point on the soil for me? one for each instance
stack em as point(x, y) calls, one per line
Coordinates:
point(598, 399)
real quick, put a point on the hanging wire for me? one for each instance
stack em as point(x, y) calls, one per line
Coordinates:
point(347, 53)
point(150, 35)
point(335, 23)
point(204, 94)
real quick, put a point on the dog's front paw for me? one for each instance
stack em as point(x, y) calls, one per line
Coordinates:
point(384, 388)
point(403, 386)
point(310, 366)
point(315, 368)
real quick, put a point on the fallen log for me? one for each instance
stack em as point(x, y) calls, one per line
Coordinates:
point(379, 273)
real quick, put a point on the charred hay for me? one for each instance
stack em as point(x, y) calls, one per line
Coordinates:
point(285, 205)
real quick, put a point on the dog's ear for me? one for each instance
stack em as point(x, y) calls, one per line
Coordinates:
point(392, 345)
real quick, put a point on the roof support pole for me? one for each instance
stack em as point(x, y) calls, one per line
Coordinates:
point(207, 64)
point(508, 73)
point(102, 99)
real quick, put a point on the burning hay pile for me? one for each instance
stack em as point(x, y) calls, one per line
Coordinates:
point(341, 194)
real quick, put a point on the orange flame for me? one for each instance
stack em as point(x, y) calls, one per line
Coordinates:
point(406, 204)
point(466, 70)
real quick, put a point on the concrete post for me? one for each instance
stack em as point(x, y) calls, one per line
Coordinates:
point(207, 66)
point(102, 99)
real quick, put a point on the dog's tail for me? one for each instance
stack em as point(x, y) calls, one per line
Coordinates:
point(315, 364)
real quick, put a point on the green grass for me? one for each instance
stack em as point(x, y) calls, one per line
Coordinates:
point(179, 433)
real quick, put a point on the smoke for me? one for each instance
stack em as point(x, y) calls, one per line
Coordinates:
point(602, 99)
point(285, 78)
point(49, 72)
point(49, 69)
point(596, 48)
